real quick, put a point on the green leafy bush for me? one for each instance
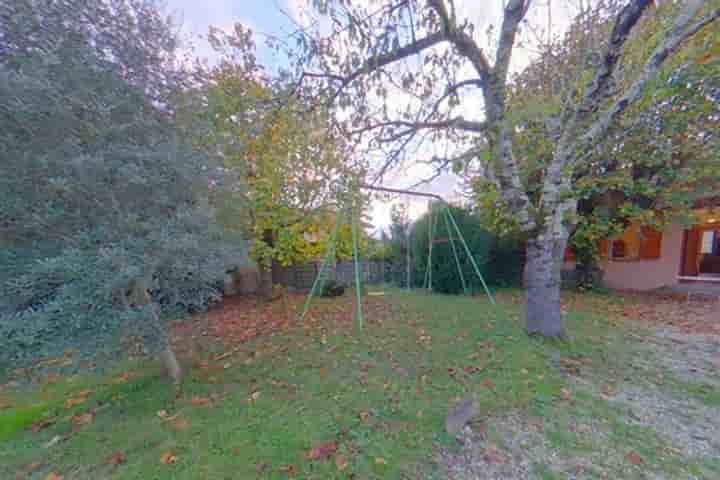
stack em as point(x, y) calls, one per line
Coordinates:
point(99, 196)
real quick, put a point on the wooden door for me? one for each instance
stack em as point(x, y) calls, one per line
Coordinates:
point(691, 253)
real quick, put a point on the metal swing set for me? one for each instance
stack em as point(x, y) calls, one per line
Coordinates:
point(352, 211)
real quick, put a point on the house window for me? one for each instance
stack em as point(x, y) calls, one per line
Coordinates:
point(619, 250)
point(637, 243)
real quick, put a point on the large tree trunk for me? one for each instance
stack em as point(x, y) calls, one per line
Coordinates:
point(543, 278)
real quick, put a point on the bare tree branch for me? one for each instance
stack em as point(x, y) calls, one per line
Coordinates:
point(457, 123)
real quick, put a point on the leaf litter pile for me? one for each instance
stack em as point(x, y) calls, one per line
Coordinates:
point(269, 396)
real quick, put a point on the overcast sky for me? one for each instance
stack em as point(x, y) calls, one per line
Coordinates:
point(277, 17)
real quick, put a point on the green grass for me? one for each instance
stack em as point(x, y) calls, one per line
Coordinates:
point(381, 395)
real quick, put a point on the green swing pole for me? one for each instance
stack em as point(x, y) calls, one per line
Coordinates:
point(472, 259)
point(432, 224)
point(427, 280)
point(355, 220)
point(319, 279)
point(454, 250)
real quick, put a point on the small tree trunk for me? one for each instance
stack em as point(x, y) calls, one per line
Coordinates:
point(139, 295)
point(171, 365)
point(265, 287)
point(543, 277)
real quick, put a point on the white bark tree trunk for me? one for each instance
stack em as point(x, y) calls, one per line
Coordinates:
point(543, 270)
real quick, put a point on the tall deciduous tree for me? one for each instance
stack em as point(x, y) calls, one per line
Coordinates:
point(106, 223)
point(293, 171)
point(656, 161)
point(366, 58)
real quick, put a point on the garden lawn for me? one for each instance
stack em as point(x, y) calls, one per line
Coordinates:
point(323, 400)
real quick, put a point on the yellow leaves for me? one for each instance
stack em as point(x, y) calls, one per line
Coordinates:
point(54, 476)
point(380, 461)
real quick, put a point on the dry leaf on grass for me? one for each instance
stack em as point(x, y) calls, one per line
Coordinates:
point(83, 419)
point(78, 399)
point(124, 378)
point(117, 458)
point(54, 476)
point(322, 451)
point(5, 403)
point(42, 424)
point(169, 458)
point(290, 470)
point(341, 462)
point(178, 422)
point(635, 458)
point(200, 401)
point(380, 461)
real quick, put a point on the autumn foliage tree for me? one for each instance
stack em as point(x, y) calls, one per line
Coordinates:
point(658, 158)
point(401, 71)
point(294, 177)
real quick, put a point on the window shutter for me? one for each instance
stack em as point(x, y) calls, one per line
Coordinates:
point(650, 243)
point(604, 248)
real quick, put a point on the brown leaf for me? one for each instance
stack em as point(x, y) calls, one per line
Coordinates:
point(42, 424)
point(200, 401)
point(5, 403)
point(178, 422)
point(380, 461)
point(54, 476)
point(341, 462)
point(290, 470)
point(117, 458)
point(78, 399)
point(322, 451)
point(124, 378)
point(83, 419)
point(489, 384)
point(169, 458)
point(635, 458)
point(323, 372)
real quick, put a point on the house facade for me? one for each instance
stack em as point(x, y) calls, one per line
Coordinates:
point(646, 259)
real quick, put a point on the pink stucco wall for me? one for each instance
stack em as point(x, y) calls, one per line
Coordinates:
point(648, 274)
